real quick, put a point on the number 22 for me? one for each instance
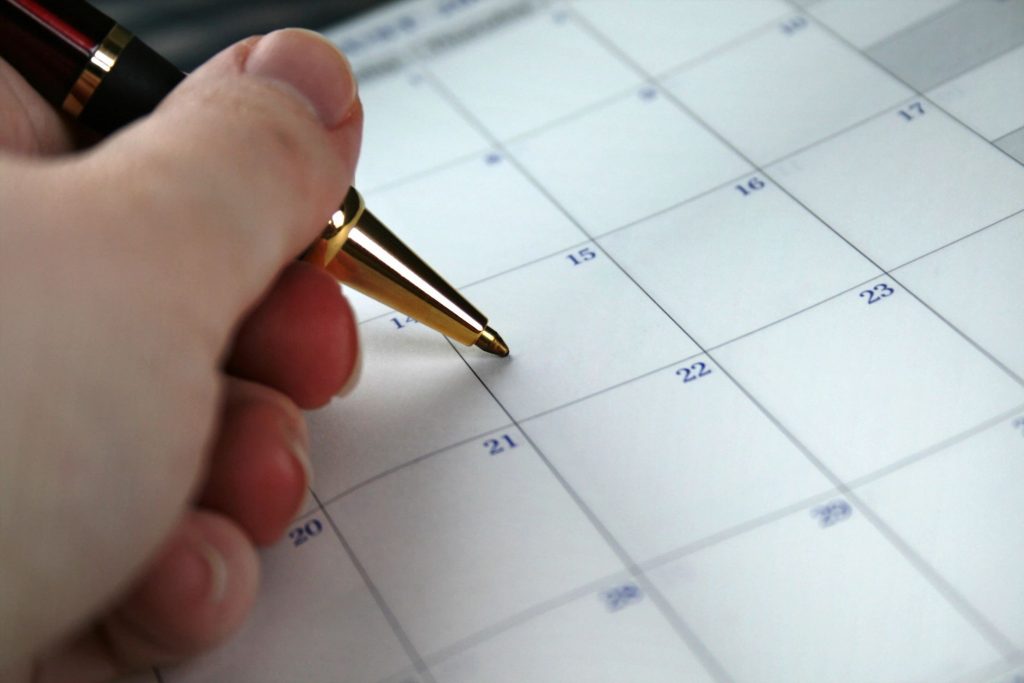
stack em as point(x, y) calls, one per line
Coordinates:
point(694, 372)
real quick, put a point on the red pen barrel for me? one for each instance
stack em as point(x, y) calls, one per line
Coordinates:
point(50, 42)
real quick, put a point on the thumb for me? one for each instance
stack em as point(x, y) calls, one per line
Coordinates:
point(238, 170)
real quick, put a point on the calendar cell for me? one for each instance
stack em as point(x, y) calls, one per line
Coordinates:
point(661, 35)
point(1014, 675)
point(645, 163)
point(526, 75)
point(804, 599)
point(785, 89)
point(315, 621)
point(976, 284)
point(430, 400)
point(952, 43)
point(597, 638)
point(989, 99)
point(597, 329)
point(866, 22)
point(688, 474)
point(973, 536)
point(737, 259)
point(905, 183)
point(465, 539)
point(396, 145)
point(483, 207)
point(892, 397)
point(1013, 144)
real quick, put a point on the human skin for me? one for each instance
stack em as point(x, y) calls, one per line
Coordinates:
point(157, 342)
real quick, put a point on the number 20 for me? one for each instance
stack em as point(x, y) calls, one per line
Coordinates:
point(301, 534)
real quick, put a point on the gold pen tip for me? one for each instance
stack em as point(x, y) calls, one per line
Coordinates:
point(491, 342)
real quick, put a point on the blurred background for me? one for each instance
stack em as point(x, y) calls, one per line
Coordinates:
point(190, 31)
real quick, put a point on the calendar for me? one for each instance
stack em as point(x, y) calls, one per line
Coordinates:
point(760, 268)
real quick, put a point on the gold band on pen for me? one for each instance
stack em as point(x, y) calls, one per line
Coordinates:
point(341, 224)
point(99, 65)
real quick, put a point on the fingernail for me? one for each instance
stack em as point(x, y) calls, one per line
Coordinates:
point(308, 65)
point(218, 569)
point(299, 451)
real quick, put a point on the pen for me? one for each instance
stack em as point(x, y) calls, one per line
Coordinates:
point(98, 73)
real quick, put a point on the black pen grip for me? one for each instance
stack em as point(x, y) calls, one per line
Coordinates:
point(140, 79)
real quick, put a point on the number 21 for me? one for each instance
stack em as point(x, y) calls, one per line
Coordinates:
point(499, 445)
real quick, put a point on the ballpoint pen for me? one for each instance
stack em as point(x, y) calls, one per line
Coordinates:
point(98, 73)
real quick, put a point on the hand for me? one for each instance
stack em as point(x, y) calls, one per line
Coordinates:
point(156, 341)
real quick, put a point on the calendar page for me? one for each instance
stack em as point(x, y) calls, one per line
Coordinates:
point(760, 268)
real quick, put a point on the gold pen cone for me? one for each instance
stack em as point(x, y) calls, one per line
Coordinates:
point(361, 252)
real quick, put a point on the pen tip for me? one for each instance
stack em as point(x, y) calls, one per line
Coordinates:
point(491, 342)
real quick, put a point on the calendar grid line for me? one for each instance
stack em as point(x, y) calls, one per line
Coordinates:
point(957, 240)
point(685, 109)
point(575, 114)
point(886, 110)
point(526, 615)
point(451, 639)
point(923, 21)
point(958, 602)
point(682, 629)
point(973, 616)
point(935, 448)
point(525, 433)
point(691, 548)
point(987, 674)
point(967, 611)
point(1016, 131)
point(837, 36)
point(426, 172)
point(396, 627)
point(665, 607)
point(689, 200)
point(719, 345)
point(716, 51)
point(960, 74)
point(686, 634)
point(377, 477)
point(991, 357)
point(701, 352)
point(999, 640)
point(739, 529)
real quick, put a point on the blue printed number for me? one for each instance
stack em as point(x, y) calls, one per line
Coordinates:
point(621, 596)
point(307, 531)
point(500, 445)
point(877, 293)
point(401, 324)
point(832, 513)
point(1018, 424)
point(913, 111)
point(791, 26)
point(752, 185)
point(582, 256)
point(694, 372)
